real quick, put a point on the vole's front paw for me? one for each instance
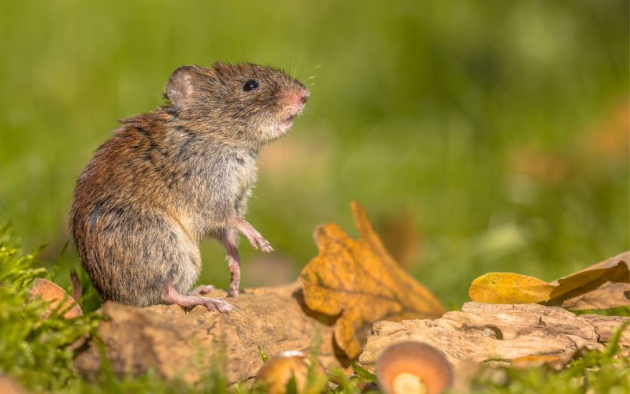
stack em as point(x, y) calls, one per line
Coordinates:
point(258, 242)
point(254, 237)
point(265, 246)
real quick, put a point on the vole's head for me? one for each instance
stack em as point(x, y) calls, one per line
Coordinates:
point(245, 102)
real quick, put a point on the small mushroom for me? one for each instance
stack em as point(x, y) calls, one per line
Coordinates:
point(413, 367)
point(276, 373)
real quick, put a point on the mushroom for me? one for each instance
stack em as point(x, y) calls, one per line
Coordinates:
point(276, 373)
point(413, 367)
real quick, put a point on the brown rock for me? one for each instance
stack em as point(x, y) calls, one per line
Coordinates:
point(482, 332)
point(176, 343)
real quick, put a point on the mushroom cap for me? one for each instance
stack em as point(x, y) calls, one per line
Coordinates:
point(413, 367)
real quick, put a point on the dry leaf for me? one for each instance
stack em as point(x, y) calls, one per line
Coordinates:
point(400, 237)
point(548, 167)
point(77, 293)
point(360, 281)
point(608, 141)
point(10, 386)
point(600, 286)
point(50, 292)
point(554, 361)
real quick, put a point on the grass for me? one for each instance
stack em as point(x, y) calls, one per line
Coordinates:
point(33, 350)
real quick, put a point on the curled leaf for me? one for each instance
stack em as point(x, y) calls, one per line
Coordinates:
point(600, 286)
point(400, 237)
point(509, 288)
point(554, 361)
point(50, 292)
point(361, 282)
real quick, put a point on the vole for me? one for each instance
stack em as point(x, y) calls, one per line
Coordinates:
point(167, 179)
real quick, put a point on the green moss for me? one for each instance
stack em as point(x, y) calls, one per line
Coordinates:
point(34, 350)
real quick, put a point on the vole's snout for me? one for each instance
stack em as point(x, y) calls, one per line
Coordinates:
point(296, 98)
point(303, 96)
point(293, 102)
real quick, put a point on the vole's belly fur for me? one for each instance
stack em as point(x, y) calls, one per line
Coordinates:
point(131, 261)
point(143, 225)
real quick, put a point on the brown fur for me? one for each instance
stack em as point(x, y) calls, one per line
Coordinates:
point(168, 178)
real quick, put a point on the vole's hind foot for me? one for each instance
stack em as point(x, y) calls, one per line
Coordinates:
point(215, 304)
point(171, 296)
point(201, 290)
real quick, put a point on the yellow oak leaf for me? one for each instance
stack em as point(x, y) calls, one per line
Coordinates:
point(509, 288)
point(359, 281)
point(600, 286)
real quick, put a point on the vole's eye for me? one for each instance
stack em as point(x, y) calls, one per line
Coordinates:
point(250, 85)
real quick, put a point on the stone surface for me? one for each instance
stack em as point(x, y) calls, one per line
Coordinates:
point(181, 344)
point(482, 332)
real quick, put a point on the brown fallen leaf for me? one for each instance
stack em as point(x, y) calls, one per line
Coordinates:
point(600, 286)
point(361, 282)
point(608, 140)
point(10, 386)
point(77, 293)
point(400, 237)
point(50, 292)
point(554, 361)
point(550, 168)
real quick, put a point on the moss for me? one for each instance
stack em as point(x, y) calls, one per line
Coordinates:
point(34, 350)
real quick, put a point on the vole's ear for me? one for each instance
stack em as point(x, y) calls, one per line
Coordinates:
point(181, 85)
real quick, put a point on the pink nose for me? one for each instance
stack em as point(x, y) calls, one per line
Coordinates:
point(295, 97)
point(302, 97)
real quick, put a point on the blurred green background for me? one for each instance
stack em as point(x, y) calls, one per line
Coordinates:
point(480, 135)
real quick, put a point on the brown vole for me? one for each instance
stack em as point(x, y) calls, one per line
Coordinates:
point(168, 178)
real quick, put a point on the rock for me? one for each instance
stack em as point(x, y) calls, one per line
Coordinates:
point(180, 344)
point(482, 332)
